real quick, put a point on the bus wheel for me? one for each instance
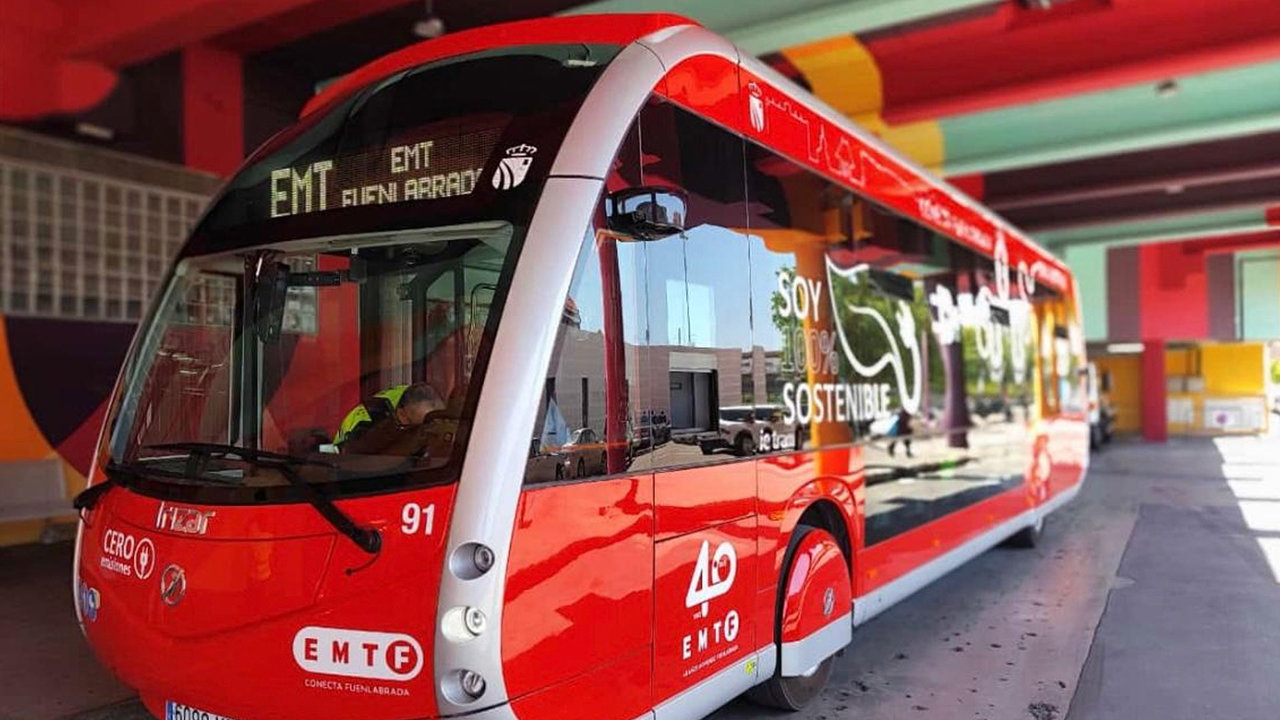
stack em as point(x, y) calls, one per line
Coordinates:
point(814, 606)
point(1027, 537)
point(744, 445)
point(792, 693)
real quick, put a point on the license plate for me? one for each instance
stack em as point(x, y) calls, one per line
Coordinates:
point(178, 711)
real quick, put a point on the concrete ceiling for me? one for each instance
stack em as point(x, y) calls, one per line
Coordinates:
point(765, 26)
point(1084, 121)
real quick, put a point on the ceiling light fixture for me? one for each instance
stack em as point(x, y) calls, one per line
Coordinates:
point(430, 26)
point(97, 132)
point(1124, 348)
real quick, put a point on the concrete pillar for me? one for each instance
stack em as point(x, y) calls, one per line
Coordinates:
point(212, 109)
point(1155, 422)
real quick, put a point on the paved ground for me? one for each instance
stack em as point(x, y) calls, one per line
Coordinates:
point(46, 668)
point(1152, 598)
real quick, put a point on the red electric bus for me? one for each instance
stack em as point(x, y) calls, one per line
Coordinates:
point(574, 368)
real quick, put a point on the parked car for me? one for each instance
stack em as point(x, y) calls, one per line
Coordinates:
point(775, 433)
point(585, 454)
point(746, 430)
point(545, 464)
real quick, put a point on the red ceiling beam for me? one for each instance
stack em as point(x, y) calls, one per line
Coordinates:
point(1174, 183)
point(123, 32)
point(36, 79)
point(1019, 54)
point(296, 24)
point(1171, 211)
point(1233, 243)
point(60, 57)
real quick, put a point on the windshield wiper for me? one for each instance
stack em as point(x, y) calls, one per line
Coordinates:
point(119, 473)
point(366, 538)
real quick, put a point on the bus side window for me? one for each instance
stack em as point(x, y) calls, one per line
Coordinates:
point(586, 425)
point(793, 219)
point(871, 328)
point(696, 409)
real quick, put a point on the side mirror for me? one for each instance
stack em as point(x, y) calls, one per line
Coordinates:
point(271, 285)
point(647, 212)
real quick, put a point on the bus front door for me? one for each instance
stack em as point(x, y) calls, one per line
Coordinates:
point(705, 565)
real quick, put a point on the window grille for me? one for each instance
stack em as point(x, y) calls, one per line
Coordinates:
point(81, 246)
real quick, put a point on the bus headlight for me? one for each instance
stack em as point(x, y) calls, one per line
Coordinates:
point(482, 556)
point(463, 687)
point(463, 623)
point(472, 683)
point(473, 618)
point(471, 560)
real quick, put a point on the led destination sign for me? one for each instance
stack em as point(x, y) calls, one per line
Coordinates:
point(430, 169)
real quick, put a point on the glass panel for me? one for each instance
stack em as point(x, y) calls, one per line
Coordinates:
point(698, 288)
point(435, 138)
point(585, 425)
point(873, 329)
point(368, 376)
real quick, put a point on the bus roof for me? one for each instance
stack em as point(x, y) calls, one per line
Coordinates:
point(615, 29)
point(949, 210)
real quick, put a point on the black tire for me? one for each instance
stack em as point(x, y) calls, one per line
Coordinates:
point(707, 449)
point(1027, 537)
point(791, 693)
point(744, 445)
point(582, 467)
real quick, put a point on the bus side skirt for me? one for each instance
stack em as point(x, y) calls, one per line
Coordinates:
point(885, 597)
point(707, 696)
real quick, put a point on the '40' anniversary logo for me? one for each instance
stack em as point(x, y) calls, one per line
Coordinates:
point(713, 575)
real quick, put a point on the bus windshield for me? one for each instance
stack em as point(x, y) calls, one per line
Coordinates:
point(334, 307)
point(353, 356)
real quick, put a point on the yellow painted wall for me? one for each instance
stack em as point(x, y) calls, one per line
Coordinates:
point(1224, 370)
point(1179, 361)
point(1233, 368)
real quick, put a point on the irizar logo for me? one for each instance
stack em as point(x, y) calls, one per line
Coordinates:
point(512, 168)
point(712, 575)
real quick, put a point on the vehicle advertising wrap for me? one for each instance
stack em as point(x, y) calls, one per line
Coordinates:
point(780, 122)
point(704, 592)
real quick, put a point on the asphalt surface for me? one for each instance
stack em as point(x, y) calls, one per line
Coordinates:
point(1152, 597)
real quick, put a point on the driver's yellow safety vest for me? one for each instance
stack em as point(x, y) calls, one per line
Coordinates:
point(360, 414)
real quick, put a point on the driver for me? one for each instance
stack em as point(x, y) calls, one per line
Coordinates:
point(406, 404)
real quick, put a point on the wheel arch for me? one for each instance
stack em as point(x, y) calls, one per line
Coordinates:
point(826, 515)
point(827, 503)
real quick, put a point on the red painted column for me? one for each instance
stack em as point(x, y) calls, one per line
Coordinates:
point(1155, 421)
point(212, 109)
